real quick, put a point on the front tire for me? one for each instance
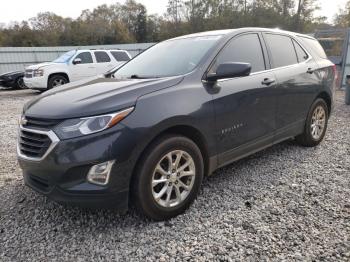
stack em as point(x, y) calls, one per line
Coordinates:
point(19, 83)
point(168, 177)
point(315, 125)
point(57, 80)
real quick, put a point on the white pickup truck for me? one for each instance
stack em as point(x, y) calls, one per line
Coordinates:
point(72, 66)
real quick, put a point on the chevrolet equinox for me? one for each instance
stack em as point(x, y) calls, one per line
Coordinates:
point(149, 132)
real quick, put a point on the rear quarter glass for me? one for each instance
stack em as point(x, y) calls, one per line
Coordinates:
point(313, 46)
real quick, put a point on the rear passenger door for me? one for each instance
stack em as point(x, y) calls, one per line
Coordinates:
point(294, 70)
point(104, 62)
point(244, 106)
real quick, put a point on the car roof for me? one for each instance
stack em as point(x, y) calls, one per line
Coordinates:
point(242, 30)
point(84, 50)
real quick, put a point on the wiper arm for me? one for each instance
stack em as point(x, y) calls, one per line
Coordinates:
point(142, 77)
point(136, 77)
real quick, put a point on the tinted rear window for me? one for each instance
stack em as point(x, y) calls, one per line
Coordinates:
point(120, 56)
point(282, 50)
point(102, 57)
point(314, 45)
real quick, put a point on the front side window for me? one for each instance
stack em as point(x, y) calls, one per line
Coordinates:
point(244, 49)
point(102, 57)
point(169, 58)
point(281, 49)
point(86, 58)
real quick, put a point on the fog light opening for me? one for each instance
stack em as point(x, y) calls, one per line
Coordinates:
point(99, 174)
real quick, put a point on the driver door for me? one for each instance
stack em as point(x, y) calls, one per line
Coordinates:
point(245, 107)
point(86, 68)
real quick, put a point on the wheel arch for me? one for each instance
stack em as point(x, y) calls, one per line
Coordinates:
point(15, 81)
point(64, 74)
point(327, 98)
point(196, 136)
point(187, 131)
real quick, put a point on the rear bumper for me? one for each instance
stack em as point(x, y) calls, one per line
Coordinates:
point(35, 82)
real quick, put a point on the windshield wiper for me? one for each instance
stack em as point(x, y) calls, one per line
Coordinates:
point(142, 77)
point(135, 77)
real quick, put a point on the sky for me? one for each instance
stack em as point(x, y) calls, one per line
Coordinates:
point(18, 10)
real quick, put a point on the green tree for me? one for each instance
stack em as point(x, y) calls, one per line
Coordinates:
point(154, 24)
point(134, 16)
point(342, 19)
point(129, 22)
point(305, 14)
point(49, 27)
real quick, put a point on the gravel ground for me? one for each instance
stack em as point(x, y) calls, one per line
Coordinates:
point(284, 203)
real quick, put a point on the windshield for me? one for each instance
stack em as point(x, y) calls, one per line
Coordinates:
point(65, 57)
point(169, 58)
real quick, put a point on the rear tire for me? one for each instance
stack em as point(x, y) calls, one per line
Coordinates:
point(315, 125)
point(162, 188)
point(57, 80)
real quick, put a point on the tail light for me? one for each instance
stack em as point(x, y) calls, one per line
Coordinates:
point(336, 77)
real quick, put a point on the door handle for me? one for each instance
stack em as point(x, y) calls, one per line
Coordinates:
point(268, 81)
point(310, 71)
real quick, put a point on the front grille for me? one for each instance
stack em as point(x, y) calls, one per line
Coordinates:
point(32, 144)
point(28, 73)
point(43, 124)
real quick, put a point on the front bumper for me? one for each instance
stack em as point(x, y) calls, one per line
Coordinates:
point(88, 196)
point(61, 175)
point(35, 82)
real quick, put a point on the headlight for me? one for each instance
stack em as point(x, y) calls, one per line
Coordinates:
point(88, 125)
point(38, 72)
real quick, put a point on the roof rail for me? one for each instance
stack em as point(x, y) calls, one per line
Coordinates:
point(104, 49)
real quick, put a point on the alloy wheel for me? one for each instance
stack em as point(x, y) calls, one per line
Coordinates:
point(173, 178)
point(20, 83)
point(318, 122)
point(58, 82)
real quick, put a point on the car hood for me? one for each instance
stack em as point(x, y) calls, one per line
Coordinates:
point(94, 96)
point(11, 73)
point(42, 65)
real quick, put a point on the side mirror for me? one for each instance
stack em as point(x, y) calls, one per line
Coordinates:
point(230, 70)
point(77, 61)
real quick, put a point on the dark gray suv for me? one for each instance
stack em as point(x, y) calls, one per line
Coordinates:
point(148, 133)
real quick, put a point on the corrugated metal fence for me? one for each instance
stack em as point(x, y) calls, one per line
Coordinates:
point(17, 58)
